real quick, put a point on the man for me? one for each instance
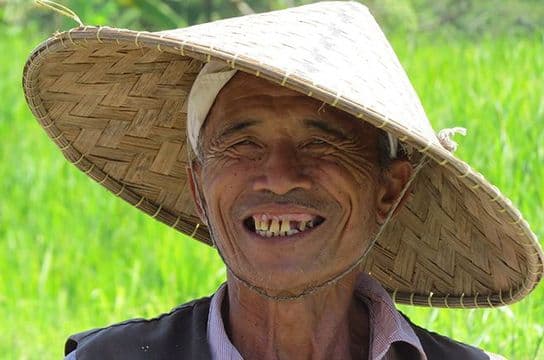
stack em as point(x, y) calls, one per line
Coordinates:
point(313, 170)
point(291, 195)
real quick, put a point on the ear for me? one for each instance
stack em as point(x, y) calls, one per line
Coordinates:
point(392, 181)
point(193, 176)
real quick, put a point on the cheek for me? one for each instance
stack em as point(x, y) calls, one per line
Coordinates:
point(218, 189)
point(355, 178)
point(223, 181)
point(353, 184)
point(217, 186)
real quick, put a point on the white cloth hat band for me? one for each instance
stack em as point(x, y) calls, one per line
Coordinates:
point(210, 80)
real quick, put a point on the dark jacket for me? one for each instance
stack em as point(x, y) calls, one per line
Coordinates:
point(182, 334)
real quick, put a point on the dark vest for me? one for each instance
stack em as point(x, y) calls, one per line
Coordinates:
point(182, 334)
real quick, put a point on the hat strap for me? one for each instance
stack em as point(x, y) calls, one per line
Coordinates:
point(261, 291)
point(358, 262)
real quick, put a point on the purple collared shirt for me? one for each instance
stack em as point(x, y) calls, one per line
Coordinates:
point(386, 324)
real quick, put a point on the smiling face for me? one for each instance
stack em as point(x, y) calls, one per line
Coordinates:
point(291, 189)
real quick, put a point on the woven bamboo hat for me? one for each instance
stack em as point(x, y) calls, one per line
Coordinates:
point(114, 101)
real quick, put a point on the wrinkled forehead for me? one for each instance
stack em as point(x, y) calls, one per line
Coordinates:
point(248, 95)
point(243, 85)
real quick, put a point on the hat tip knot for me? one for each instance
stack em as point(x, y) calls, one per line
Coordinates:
point(445, 137)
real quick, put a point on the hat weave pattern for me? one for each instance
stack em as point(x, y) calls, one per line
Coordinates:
point(114, 101)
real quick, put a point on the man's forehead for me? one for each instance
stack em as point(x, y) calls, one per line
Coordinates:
point(243, 100)
point(245, 85)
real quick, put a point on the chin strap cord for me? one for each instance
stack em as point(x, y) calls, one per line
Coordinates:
point(263, 292)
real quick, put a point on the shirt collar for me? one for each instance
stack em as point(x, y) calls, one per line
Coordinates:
point(382, 315)
point(220, 345)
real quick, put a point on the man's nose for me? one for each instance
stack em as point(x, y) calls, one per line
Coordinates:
point(282, 170)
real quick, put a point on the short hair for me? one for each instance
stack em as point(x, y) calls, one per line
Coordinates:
point(384, 150)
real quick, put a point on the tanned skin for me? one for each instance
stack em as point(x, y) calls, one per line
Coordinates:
point(266, 149)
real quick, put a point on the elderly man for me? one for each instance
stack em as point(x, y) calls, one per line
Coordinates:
point(313, 170)
point(292, 194)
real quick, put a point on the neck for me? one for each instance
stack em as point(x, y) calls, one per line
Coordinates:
point(329, 323)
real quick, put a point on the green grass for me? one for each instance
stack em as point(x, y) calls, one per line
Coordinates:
point(495, 90)
point(73, 257)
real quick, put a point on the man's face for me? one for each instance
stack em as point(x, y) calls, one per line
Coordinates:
point(290, 190)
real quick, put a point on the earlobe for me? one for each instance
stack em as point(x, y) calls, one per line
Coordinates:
point(193, 177)
point(393, 181)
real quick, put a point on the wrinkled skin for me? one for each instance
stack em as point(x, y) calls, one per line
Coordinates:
point(268, 149)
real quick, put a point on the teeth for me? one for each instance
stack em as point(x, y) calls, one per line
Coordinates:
point(285, 226)
point(260, 223)
point(264, 223)
point(275, 226)
point(279, 226)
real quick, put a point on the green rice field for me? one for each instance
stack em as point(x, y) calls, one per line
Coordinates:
point(74, 257)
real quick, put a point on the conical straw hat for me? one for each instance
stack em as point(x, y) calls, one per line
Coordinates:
point(114, 101)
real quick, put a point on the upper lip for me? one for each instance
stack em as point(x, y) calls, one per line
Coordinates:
point(276, 209)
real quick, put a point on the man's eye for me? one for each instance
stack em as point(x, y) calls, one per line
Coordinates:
point(315, 142)
point(244, 143)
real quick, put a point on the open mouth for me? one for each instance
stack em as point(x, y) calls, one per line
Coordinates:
point(282, 225)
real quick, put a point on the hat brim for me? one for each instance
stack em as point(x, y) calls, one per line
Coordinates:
point(113, 101)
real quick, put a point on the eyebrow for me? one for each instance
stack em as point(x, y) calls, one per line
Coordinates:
point(308, 123)
point(325, 127)
point(237, 126)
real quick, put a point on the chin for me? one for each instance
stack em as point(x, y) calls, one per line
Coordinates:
point(290, 266)
point(287, 280)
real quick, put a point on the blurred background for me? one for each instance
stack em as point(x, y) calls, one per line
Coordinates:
point(74, 257)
